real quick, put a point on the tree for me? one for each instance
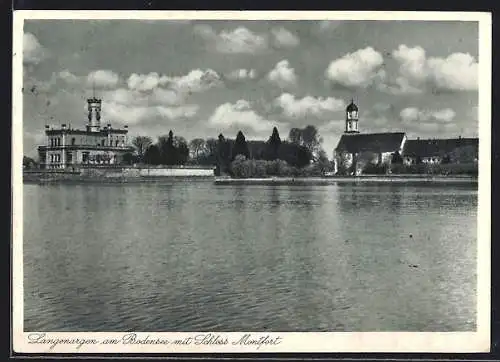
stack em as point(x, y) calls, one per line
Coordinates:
point(303, 157)
point(312, 140)
point(323, 161)
point(152, 156)
point(295, 136)
point(223, 157)
point(307, 137)
point(208, 155)
point(273, 145)
point(240, 146)
point(343, 163)
point(181, 151)
point(167, 149)
point(396, 158)
point(28, 162)
point(294, 155)
point(141, 144)
point(127, 158)
point(197, 146)
point(364, 160)
point(211, 146)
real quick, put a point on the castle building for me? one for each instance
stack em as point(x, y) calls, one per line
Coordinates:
point(95, 145)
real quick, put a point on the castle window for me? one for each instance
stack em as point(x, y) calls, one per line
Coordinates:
point(102, 142)
point(116, 143)
point(73, 140)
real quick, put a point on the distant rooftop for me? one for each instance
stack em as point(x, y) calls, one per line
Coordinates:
point(436, 147)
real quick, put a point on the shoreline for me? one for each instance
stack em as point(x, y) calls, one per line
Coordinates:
point(400, 179)
point(348, 179)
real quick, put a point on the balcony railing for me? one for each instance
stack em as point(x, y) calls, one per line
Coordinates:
point(87, 147)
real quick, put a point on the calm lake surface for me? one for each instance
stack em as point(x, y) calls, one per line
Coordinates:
point(179, 256)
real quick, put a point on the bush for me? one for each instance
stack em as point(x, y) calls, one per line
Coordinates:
point(437, 169)
point(372, 169)
point(244, 168)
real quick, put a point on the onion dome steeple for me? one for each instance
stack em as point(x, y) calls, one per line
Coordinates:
point(351, 121)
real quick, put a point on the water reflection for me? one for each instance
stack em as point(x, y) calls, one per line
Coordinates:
point(188, 257)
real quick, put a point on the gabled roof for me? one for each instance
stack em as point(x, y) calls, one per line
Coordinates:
point(370, 142)
point(436, 147)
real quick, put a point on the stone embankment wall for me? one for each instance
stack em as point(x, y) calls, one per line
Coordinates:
point(114, 173)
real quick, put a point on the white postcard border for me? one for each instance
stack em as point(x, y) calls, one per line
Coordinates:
point(463, 342)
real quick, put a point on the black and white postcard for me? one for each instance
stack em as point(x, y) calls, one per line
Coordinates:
point(251, 181)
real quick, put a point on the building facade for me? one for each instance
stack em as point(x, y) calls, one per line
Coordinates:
point(362, 148)
point(95, 145)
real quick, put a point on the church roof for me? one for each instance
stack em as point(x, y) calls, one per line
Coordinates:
point(436, 147)
point(370, 142)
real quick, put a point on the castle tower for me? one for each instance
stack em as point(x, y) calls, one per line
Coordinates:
point(94, 115)
point(351, 120)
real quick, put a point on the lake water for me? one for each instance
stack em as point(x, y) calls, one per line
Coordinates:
point(196, 256)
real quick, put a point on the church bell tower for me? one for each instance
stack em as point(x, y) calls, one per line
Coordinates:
point(351, 121)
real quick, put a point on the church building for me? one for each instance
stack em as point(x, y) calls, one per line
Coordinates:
point(376, 148)
point(95, 145)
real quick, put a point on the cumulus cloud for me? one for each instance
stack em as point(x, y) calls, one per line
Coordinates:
point(293, 107)
point(361, 68)
point(158, 96)
point(239, 40)
point(103, 79)
point(173, 113)
point(196, 80)
point(283, 75)
point(417, 72)
point(284, 38)
point(33, 51)
point(69, 77)
point(242, 116)
point(143, 82)
point(242, 74)
point(136, 114)
point(458, 71)
point(412, 115)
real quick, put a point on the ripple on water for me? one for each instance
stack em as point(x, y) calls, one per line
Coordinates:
point(185, 257)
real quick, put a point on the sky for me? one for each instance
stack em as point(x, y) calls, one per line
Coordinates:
point(202, 78)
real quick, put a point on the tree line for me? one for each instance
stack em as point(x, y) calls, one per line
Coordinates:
point(237, 156)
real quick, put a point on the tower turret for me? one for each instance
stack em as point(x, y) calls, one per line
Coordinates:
point(94, 114)
point(351, 121)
